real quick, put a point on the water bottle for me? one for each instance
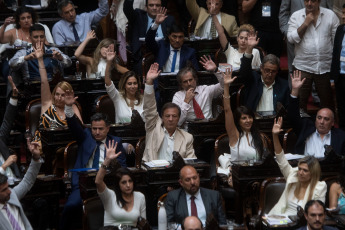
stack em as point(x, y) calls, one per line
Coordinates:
point(162, 216)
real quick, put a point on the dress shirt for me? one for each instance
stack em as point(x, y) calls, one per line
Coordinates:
point(167, 147)
point(63, 30)
point(313, 52)
point(266, 100)
point(204, 96)
point(8, 172)
point(101, 155)
point(314, 145)
point(342, 57)
point(234, 57)
point(199, 206)
point(205, 29)
point(167, 66)
point(15, 213)
point(150, 22)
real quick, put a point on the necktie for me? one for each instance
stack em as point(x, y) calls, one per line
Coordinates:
point(193, 210)
point(197, 110)
point(174, 61)
point(76, 36)
point(213, 30)
point(11, 218)
point(95, 163)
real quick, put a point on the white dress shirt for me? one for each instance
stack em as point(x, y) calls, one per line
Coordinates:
point(167, 147)
point(200, 207)
point(313, 52)
point(266, 100)
point(205, 28)
point(168, 64)
point(101, 155)
point(15, 213)
point(233, 57)
point(314, 145)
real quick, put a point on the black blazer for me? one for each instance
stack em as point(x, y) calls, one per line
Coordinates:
point(338, 39)
point(304, 127)
point(252, 91)
point(137, 20)
point(176, 205)
point(323, 227)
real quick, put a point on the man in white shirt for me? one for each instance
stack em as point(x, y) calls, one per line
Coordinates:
point(162, 135)
point(312, 31)
point(191, 200)
point(195, 100)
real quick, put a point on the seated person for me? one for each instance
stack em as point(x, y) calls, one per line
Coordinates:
point(262, 93)
point(97, 63)
point(191, 223)
point(195, 100)
point(162, 135)
point(245, 140)
point(128, 97)
point(302, 182)
point(25, 61)
point(311, 137)
point(91, 149)
point(337, 194)
point(191, 200)
point(122, 206)
point(73, 28)
point(205, 18)
point(315, 214)
point(170, 54)
point(12, 215)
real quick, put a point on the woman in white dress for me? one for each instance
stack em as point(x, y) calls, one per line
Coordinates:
point(121, 205)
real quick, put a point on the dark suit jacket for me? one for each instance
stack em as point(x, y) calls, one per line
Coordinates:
point(323, 227)
point(252, 91)
point(161, 50)
point(176, 205)
point(137, 20)
point(5, 129)
point(304, 127)
point(338, 39)
point(87, 145)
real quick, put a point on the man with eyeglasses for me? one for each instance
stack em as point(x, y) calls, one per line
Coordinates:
point(312, 31)
point(262, 92)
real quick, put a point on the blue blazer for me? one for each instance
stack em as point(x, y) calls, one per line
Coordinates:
point(87, 145)
point(252, 91)
point(304, 127)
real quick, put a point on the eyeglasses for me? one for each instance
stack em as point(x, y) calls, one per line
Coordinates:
point(269, 71)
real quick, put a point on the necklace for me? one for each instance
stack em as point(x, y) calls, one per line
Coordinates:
point(24, 36)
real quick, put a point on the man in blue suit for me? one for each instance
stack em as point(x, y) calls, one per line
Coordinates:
point(315, 213)
point(91, 153)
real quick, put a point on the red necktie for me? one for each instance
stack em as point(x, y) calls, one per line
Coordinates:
point(197, 110)
point(193, 210)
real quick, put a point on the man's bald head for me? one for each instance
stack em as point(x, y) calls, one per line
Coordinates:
point(191, 223)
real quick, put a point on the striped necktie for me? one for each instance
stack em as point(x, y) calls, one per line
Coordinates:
point(11, 218)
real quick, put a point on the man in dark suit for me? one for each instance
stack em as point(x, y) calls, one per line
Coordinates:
point(139, 22)
point(91, 151)
point(262, 92)
point(315, 213)
point(311, 137)
point(191, 200)
point(338, 71)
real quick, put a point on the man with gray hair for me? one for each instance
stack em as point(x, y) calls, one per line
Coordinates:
point(262, 92)
point(73, 27)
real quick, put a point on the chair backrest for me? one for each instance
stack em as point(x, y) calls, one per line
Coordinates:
point(146, 63)
point(70, 157)
point(220, 57)
point(139, 152)
point(93, 215)
point(221, 146)
point(32, 116)
point(161, 199)
point(289, 141)
point(105, 105)
point(270, 192)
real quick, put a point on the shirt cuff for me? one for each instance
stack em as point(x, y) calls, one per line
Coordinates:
point(149, 89)
point(110, 86)
point(292, 96)
point(69, 111)
point(2, 171)
point(154, 26)
point(13, 101)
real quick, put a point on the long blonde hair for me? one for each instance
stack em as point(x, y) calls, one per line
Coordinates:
point(97, 53)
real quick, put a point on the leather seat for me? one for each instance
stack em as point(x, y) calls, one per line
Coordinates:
point(105, 105)
point(32, 116)
point(93, 214)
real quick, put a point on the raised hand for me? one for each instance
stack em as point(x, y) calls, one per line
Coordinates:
point(57, 55)
point(252, 40)
point(90, 35)
point(211, 8)
point(14, 88)
point(110, 55)
point(207, 63)
point(8, 21)
point(111, 152)
point(69, 98)
point(153, 73)
point(189, 95)
point(228, 79)
point(277, 125)
point(161, 15)
point(296, 82)
point(38, 50)
point(35, 148)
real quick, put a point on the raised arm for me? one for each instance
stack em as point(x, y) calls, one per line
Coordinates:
point(110, 155)
point(110, 58)
point(275, 134)
point(6, 37)
point(79, 52)
point(247, 5)
point(229, 117)
point(151, 43)
point(221, 35)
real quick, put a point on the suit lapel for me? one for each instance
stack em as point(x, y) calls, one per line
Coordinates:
point(205, 200)
point(182, 57)
point(183, 205)
point(177, 142)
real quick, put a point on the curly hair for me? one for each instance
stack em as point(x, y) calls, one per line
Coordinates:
point(246, 28)
point(22, 10)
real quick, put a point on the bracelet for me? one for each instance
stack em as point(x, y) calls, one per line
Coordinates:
point(104, 166)
point(226, 97)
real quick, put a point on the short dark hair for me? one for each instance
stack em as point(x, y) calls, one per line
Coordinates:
point(170, 105)
point(22, 10)
point(3, 179)
point(63, 4)
point(36, 27)
point(175, 29)
point(100, 117)
point(184, 71)
point(182, 224)
point(311, 203)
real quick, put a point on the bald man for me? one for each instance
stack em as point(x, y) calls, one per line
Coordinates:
point(191, 223)
point(311, 137)
point(191, 200)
